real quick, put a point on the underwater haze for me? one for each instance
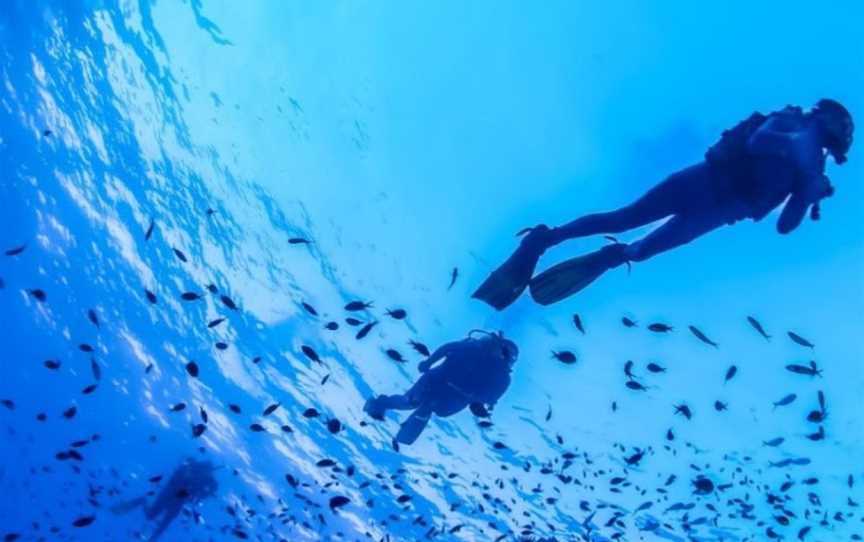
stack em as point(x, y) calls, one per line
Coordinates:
point(277, 160)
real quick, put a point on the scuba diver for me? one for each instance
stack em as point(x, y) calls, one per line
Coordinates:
point(751, 170)
point(475, 373)
point(191, 482)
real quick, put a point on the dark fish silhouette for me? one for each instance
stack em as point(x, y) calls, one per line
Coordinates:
point(353, 322)
point(453, 276)
point(811, 370)
point(628, 369)
point(234, 408)
point(190, 296)
point(91, 315)
point(332, 326)
point(338, 502)
point(787, 400)
point(659, 328)
point(334, 425)
point(257, 428)
point(151, 297)
point(311, 353)
point(47, 133)
point(298, 241)
point(394, 355)
point(212, 289)
point(577, 321)
point(628, 322)
point(730, 373)
point(565, 356)
point(149, 231)
point(701, 336)
point(271, 409)
point(52, 364)
point(684, 410)
point(178, 407)
point(720, 406)
point(16, 251)
point(774, 442)
point(216, 322)
point(397, 314)
point(180, 255)
point(354, 306)
point(95, 369)
point(192, 369)
point(38, 295)
point(636, 386)
point(654, 368)
point(310, 413)
point(309, 308)
point(228, 302)
point(365, 330)
point(325, 379)
point(84, 521)
point(798, 339)
point(222, 346)
point(420, 348)
point(758, 327)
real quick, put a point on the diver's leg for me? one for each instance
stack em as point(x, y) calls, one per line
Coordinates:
point(672, 196)
point(677, 231)
point(572, 276)
point(376, 407)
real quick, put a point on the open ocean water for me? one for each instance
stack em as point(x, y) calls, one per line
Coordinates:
point(281, 159)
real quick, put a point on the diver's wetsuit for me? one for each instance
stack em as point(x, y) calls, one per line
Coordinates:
point(474, 373)
point(703, 197)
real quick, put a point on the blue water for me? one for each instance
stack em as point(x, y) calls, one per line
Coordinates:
point(403, 140)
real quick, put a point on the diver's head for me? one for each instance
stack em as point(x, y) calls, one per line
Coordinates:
point(502, 348)
point(836, 126)
point(509, 350)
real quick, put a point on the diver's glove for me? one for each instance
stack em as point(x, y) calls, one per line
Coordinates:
point(827, 191)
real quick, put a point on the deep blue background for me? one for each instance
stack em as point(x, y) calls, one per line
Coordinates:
point(406, 139)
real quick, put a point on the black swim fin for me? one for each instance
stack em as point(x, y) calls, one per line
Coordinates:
point(572, 276)
point(414, 425)
point(506, 284)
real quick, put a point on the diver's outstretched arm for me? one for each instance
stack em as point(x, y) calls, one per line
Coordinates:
point(439, 354)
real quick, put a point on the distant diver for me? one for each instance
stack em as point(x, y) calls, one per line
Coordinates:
point(191, 482)
point(750, 171)
point(474, 373)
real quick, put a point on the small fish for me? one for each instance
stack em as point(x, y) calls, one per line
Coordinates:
point(660, 328)
point(758, 327)
point(565, 356)
point(180, 255)
point(325, 379)
point(628, 369)
point(84, 347)
point(365, 330)
point(334, 425)
point(212, 289)
point(701, 336)
point(190, 296)
point(774, 442)
point(84, 521)
point(353, 322)
point(324, 463)
point(453, 276)
point(178, 407)
point(309, 308)
point(628, 322)
point(332, 326)
point(720, 406)
point(787, 400)
point(192, 369)
point(354, 306)
point(298, 241)
point(798, 339)
point(149, 231)
point(635, 385)
point(228, 302)
point(654, 368)
point(47, 133)
point(151, 297)
point(38, 295)
point(234, 408)
point(311, 353)
point(310, 413)
point(70, 412)
point(338, 502)
point(271, 409)
point(216, 322)
point(397, 314)
point(818, 435)
point(577, 321)
point(811, 370)
point(549, 413)
point(420, 348)
point(257, 428)
point(394, 355)
point(203, 413)
point(95, 369)
point(90, 388)
point(16, 251)
point(684, 410)
point(222, 346)
point(52, 364)
point(91, 315)
point(730, 373)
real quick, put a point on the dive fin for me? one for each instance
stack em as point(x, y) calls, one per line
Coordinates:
point(572, 276)
point(414, 425)
point(506, 284)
